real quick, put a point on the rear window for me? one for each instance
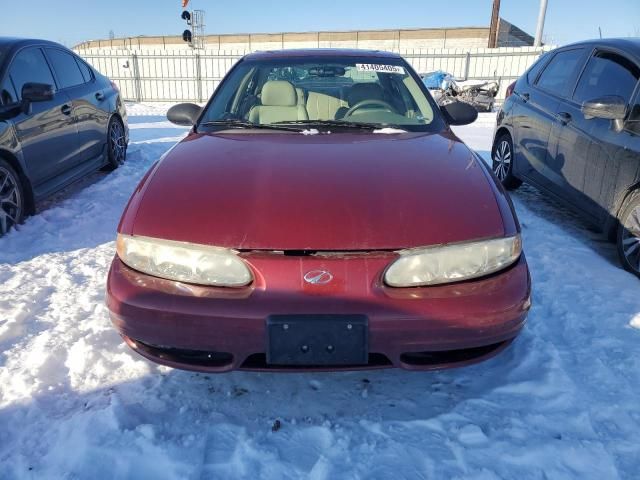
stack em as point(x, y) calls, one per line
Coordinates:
point(86, 71)
point(558, 75)
point(607, 74)
point(66, 68)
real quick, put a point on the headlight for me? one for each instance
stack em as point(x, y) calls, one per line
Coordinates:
point(452, 263)
point(184, 262)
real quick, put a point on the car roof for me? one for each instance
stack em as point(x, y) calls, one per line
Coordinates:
point(321, 52)
point(630, 44)
point(24, 42)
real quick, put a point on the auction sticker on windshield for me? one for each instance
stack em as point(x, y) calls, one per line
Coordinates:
point(380, 68)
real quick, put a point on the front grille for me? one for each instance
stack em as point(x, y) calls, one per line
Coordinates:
point(200, 358)
point(426, 359)
point(258, 361)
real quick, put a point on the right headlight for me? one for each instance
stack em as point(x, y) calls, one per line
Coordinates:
point(452, 263)
point(184, 262)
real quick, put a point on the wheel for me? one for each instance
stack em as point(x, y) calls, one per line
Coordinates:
point(117, 145)
point(502, 156)
point(628, 240)
point(12, 201)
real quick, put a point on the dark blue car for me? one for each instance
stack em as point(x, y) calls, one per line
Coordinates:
point(571, 127)
point(60, 120)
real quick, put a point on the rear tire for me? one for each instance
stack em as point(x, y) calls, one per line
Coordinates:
point(502, 156)
point(116, 144)
point(12, 198)
point(628, 241)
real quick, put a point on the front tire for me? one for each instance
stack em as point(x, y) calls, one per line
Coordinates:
point(628, 240)
point(116, 144)
point(502, 156)
point(12, 199)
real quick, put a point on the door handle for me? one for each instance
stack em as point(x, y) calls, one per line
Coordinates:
point(66, 109)
point(525, 96)
point(564, 117)
point(99, 96)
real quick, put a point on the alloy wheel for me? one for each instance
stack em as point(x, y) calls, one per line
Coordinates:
point(117, 142)
point(11, 203)
point(502, 158)
point(631, 239)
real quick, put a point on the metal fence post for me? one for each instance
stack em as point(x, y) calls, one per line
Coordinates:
point(199, 78)
point(136, 77)
point(467, 64)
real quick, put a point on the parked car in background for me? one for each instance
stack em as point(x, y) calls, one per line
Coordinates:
point(320, 214)
point(571, 127)
point(60, 120)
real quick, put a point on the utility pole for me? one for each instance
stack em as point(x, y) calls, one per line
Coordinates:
point(539, 29)
point(495, 20)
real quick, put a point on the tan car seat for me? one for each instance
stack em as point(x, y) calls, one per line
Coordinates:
point(279, 104)
point(323, 107)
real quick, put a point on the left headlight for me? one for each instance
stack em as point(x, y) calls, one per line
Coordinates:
point(184, 262)
point(452, 263)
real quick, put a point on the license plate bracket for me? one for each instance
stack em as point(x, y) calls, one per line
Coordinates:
point(317, 340)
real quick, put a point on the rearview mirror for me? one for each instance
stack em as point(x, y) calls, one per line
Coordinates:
point(37, 92)
point(610, 107)
point(184, 114)
point(459, 113)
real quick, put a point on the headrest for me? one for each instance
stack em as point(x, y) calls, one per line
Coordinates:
point(364, 91)
point(279, 93)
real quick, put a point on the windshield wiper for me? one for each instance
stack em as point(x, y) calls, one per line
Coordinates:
point(334, 123)
point(248, 125)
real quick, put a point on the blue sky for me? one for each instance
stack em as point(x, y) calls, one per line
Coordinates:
point(71, 22)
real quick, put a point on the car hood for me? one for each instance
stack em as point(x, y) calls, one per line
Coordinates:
point(333, 192)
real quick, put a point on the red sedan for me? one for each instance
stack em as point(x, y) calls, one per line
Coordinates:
point(320, 215)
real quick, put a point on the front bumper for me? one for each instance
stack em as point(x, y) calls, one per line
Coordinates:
point(221, 329)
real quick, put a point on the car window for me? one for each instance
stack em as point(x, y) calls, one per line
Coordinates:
point(7, 92)
point(607, 74)
point(310, 89)
point(533, 72)
point(66, 68)
point(558, 74)
point(29, 66)
point(86, 71)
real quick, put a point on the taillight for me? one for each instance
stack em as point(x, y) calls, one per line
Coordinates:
point(510, 89)
point(115, 86)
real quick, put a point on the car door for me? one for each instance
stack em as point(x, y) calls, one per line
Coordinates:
point(78, 82)
point(538, 116)
point(528, 121)
point(610, 160)
point(47, 134)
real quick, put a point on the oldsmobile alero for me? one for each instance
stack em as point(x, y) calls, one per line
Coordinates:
point(320, 215)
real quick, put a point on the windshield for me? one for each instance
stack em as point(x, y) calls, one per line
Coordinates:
point(347, 91)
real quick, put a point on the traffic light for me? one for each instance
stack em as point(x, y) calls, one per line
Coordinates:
point(186, 16)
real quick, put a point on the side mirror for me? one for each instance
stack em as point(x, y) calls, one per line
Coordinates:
point(184, 114)
point(459, 113)
point(37, 92)
point(610, 107)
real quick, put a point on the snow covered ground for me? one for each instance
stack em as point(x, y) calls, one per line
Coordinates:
point(562, 402)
